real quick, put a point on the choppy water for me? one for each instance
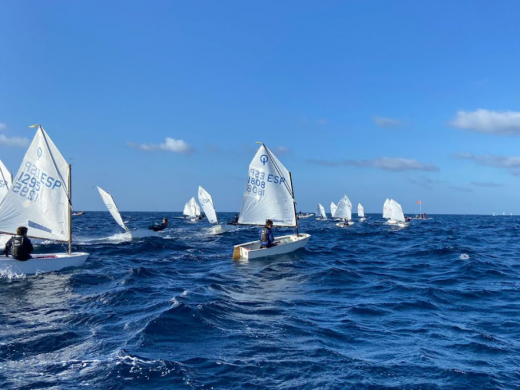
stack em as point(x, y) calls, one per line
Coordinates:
point(432, 306)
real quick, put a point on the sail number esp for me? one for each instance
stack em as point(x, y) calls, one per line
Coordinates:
point(257, 181)
point(29, 183)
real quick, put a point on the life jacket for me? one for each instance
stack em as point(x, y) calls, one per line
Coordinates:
point(264, 236)
point(19, 250)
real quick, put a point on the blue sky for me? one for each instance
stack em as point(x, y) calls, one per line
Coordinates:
point(403, 99)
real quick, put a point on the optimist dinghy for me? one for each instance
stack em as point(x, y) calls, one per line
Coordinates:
point(333, 209)
point(303, 216)
point(112, 208)
point(361, 212)
point(397, 215)
point(344, 211)
point(40, 199)
point(192, 210)
point(206, 201)
point(269, 195)
point(321, 215)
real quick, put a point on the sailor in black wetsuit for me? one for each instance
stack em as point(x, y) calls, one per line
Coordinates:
point(235, 220)
point(266, 235)
point(20, 246)
point(162, 226)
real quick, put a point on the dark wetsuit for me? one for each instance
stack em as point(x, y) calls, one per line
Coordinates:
point(20, 247)
point(235, 220)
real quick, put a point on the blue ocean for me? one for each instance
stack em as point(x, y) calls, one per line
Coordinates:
point(435, 305)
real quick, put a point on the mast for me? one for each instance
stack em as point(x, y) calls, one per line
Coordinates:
point(70, 208)
point(294, 206)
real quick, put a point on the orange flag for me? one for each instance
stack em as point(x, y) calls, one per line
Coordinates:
point(418, 202)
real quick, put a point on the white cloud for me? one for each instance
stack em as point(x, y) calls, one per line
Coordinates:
point(383, 163)
point(169, 145)
point(387, 123)
point(487, 121)
point(512, 164)
point(14, 141)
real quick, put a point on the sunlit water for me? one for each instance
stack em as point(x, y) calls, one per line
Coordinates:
point(432, 306)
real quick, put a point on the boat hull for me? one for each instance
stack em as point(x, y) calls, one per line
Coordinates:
point(219, 229)
point(303, 216)
point(286, 244)
point(43, 263)
point(342, 224)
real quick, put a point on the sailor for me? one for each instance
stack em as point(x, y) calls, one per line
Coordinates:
point(20, 245)
point(346, 222)
point(235, 220)
point(266, 235)
point(162, 226)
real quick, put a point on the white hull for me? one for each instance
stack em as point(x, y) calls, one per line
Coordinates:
point(362, 219)
point(390, 222)
point(285, 244)
point(321, 219)
point(219, 229)
point(303, 216)
point(141, 233)
point(43, 263)
point(342, 224)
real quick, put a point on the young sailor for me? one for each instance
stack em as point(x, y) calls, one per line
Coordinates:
point(346, 222)
point(20, 245)
point(162, 226)
point(235, 220)
point(266, 235)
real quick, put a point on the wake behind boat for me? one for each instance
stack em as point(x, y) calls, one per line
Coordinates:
point(40, 199)
point(269, 195)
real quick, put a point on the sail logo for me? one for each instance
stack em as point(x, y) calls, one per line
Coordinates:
point(39, 152)
point(264, 159)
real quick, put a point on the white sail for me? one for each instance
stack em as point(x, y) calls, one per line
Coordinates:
point(192, 209)
point(268, 193)
point(360, 211)
point(320, 211)
point(6, 180)
point(396, 212)
point(206, 201)
point(344, 209)
point(333, 208)
point(387, 209)
point(39, 195)
point(112, 208)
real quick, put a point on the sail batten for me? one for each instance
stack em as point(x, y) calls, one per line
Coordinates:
point(268, 193)
point(112, 207)
point(206, 201)
point(39, 197)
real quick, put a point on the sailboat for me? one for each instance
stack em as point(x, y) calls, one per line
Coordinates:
point(206, 202)
point(6, 180)
point(344, 211)
point(269, 195)
point(192, 210)
point(40, 199)
point(333, 209)
point(397, 215)
point(321, 215)
point(387, 209)
point(361, 212)
point(112, 208)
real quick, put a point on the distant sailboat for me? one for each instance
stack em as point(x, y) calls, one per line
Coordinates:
point(320, 212)
point(206, 202)
point(344, 211)
point(6, 179)
point(397, 215)
point(333, 209)
point(269, 194)
point(40, 199)
point(192, 210)
point(361, 212)
point(387, 209)
point(114, 211)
